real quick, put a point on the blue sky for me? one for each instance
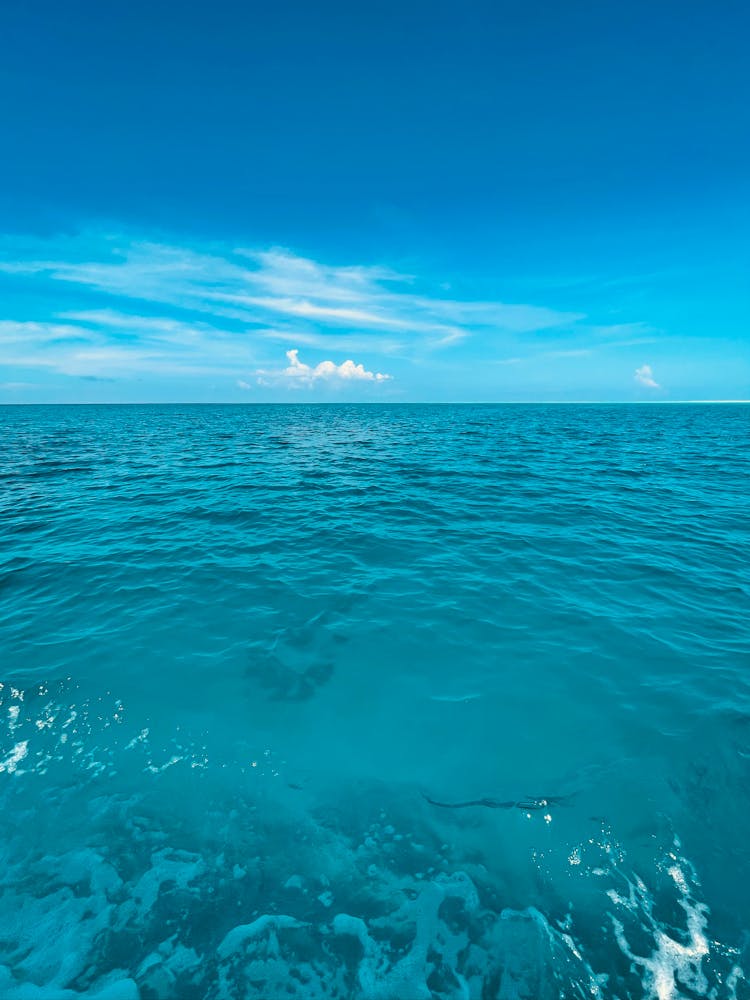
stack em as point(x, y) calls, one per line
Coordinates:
point(397, 201)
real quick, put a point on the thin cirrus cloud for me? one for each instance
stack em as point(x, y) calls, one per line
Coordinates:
point(108, 344)
point(130, 308)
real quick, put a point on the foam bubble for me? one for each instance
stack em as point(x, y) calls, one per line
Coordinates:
point(672, 962)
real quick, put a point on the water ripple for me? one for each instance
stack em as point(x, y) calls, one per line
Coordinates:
point(239, 644)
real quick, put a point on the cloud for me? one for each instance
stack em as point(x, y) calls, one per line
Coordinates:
point(577, 353)
point(183, 291)
point(123, 345)
point(29, 333)
point(328, 341)
point(114, 306)
point(623, 331)
point(645, 376)
point(297, 372)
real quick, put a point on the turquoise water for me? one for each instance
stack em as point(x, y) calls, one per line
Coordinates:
point(242, 648)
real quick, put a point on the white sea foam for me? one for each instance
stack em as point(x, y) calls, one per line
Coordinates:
point(14, 758)
point(673, 963)
point(319, 906)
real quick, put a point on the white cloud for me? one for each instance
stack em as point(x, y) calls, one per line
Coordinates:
point(333, 341)
point(137, 308)
point(645, 376)
point(297, 372)
point(243, 385)
point(35, 334)
point(271, 288)
point(162, 348)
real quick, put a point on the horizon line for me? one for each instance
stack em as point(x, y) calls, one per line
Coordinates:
point(391, 402)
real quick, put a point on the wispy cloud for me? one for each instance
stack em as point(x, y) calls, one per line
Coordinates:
point(645, 376)
point(623, 334)
point(147, 306)
point(28, 333)
point(577, 352)
point(107, 343)
point(622, 331)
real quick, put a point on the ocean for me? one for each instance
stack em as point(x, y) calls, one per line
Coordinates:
point(399, 701)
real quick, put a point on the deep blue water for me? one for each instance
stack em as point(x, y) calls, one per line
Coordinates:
point(242, 647)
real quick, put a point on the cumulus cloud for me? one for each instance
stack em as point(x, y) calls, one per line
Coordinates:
point(299, 373)
point(645, 376)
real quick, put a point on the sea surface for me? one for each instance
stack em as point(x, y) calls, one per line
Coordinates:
point(392, 702)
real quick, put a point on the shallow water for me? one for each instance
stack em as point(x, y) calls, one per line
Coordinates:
point(241, 647)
